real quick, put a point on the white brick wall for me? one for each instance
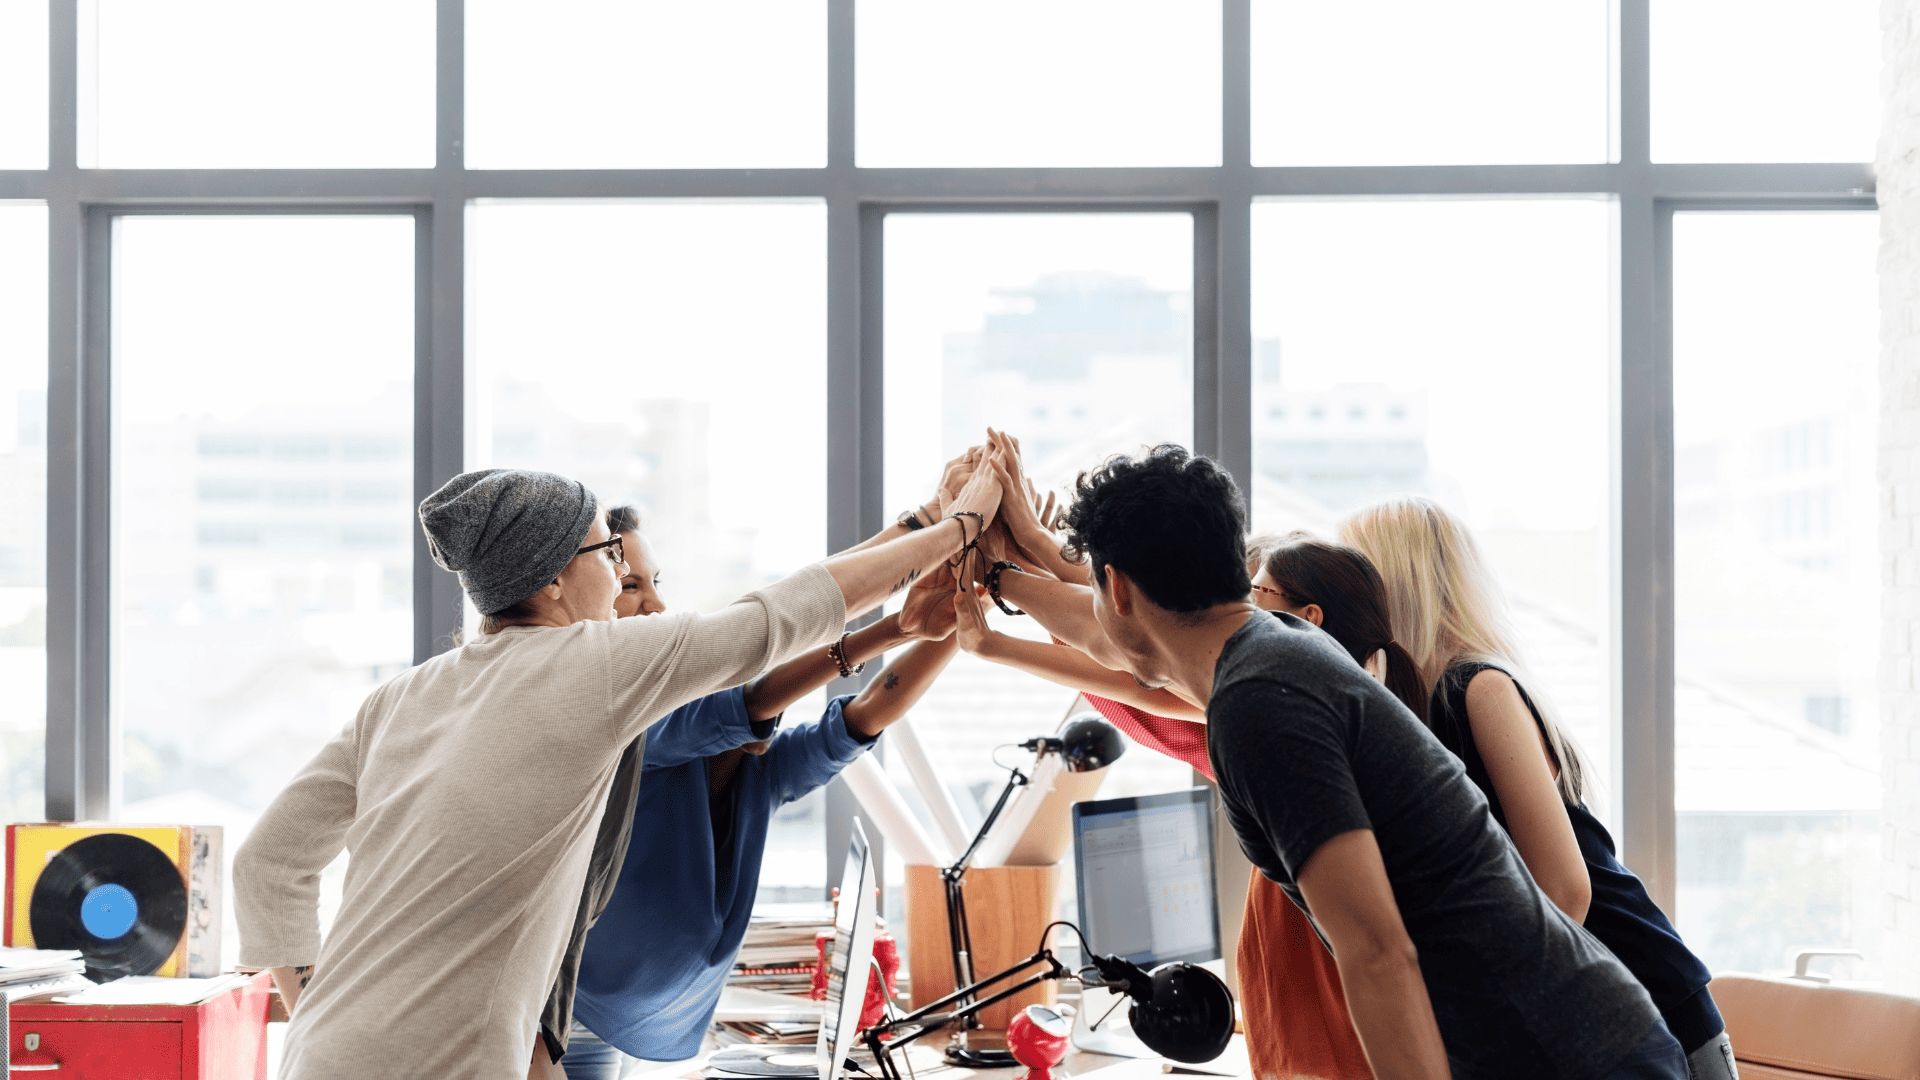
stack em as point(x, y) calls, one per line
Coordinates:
point(1899, 192)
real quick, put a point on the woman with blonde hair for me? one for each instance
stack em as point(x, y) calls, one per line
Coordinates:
point(1450, 615)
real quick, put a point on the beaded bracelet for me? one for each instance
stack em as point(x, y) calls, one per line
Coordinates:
point(993, 585)
point(837, 652)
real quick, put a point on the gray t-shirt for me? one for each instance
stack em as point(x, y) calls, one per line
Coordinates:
point(1307, 746)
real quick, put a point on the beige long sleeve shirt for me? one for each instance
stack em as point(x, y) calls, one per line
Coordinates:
point(467, 793)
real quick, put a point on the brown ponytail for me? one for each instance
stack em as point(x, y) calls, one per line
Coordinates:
point(1353, 603)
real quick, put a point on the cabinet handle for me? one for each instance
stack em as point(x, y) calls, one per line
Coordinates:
point(32, 1068)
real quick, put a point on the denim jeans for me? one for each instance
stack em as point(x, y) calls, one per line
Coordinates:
point(1656, 1057)
point(589, 1057)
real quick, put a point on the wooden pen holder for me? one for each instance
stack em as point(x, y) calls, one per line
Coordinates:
point(1007, 908)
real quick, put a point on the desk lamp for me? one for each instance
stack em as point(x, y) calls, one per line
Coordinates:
point(1087, 743)
point(1180, 1011)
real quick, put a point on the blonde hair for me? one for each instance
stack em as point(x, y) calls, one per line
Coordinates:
point(1447, 607)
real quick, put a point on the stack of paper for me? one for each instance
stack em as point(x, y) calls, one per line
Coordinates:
point(779, 953)
point(154, 990)
point(31, 972)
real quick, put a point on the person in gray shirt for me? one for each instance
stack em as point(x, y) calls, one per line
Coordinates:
point(1454, 963)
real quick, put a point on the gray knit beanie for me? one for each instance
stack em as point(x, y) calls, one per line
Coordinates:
point(507, 532)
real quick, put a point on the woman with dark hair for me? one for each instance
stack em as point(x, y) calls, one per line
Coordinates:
point(1337, 589)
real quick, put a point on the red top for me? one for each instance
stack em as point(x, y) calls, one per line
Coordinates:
point(1181, 740)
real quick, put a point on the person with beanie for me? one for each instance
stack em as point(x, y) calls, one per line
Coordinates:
point(467, 791)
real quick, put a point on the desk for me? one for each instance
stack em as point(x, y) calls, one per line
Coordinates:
point(224, 1038)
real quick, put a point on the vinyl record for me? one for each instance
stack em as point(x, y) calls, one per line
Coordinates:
point(764, 1061)
point(116, 898)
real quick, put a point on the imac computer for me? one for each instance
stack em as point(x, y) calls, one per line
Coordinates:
point(1144, 874)
point(854, 924)
point(849, 962)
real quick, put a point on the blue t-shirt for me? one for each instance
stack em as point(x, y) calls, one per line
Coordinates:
point(655, 963)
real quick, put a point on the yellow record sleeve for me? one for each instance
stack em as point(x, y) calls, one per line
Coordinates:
point(31, 847)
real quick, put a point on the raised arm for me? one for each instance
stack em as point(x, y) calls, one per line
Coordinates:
point(1025, 520)
point(770, 695)
point(1064, 665)
point(1346, 887)
point(897, 689)
point(868, 577)
point(1066, 610)
point(952, 479)
point(1515, 752)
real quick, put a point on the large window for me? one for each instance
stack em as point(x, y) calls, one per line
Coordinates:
point(271, 274)
point(262, 555)
point(23, 509)
point(671, 357)
point(1074, 332)
point(1456, 350)
point(1776, 430)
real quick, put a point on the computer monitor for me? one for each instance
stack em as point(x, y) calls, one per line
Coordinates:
point(1145, 876)
point(850, 961)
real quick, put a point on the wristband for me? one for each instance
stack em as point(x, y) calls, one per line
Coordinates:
point(993, 585)
point(837, 652)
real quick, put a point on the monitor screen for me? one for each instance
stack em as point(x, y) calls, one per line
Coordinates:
point(1145, 876)
point(853, 930)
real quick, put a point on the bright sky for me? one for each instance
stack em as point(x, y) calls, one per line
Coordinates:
point(1497, 310)
point(222, 316)
point(1776, 320)
point(23, 310)
point(647, 83)
point(940, 272)
point(1412, 82)
point(612, 303)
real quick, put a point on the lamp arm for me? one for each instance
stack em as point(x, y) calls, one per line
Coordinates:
point(929, 1018)
point(1015, 779)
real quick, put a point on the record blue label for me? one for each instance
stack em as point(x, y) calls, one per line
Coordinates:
point(109, 911)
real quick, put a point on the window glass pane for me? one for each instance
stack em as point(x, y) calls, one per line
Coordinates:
point(23, 84)
point(263, 516)
point(599, 84)
point(1410, 82)
point(1456, 350)
point(672, 357)
point(1776, 549)
point(1039, 82)
point(1765, 80)
point(239, 84)
point(23, 510)
point(1052, 327)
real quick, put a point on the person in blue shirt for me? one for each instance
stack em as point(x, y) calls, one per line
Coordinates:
point(711, 776)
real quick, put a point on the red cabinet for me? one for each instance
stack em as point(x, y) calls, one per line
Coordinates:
point(221, 1039)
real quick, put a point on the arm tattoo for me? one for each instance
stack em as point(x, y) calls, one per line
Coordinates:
point(904, 582)
point(306, 975)
point(892, 680)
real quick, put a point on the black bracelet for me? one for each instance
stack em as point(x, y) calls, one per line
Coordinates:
point(975, 515)
point(837, 652)
point(910, 519)
point(993, 585)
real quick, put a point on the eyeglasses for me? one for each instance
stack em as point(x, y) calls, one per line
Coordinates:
point(617, 552)
point(1273, 592)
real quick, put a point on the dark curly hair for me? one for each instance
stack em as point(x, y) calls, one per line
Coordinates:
point(1173, 522)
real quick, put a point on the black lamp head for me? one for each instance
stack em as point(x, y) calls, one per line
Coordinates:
point(1188, 1016)
point(1087, 743)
